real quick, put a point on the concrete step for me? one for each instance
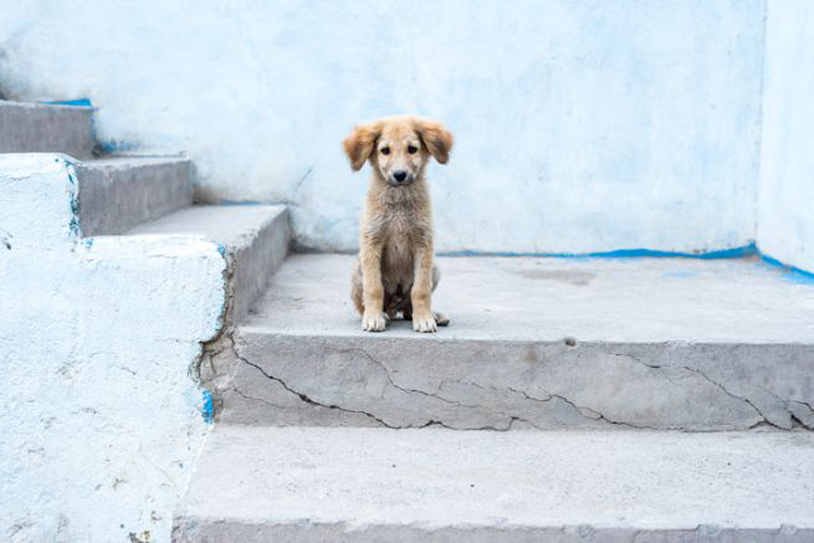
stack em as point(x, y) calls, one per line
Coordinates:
point(536, 343)
point(33, 128)
point(116, 194)
point(253, 238)
point(370, 484)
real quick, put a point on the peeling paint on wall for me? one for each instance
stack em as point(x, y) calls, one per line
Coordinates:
point(208, 407)
point(79, 102)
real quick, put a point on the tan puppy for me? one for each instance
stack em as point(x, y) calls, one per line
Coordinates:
point(395, 273)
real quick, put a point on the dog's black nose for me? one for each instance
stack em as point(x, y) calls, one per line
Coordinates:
point(400, 175)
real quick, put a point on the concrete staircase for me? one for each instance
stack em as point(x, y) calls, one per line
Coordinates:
point(570, 400)
point(135, 195)
point(674, 395)
point(660, 344)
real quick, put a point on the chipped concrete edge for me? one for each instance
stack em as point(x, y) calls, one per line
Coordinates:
point(214, 368)
point(188, 529)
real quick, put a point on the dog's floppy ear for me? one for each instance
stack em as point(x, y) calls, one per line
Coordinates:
point(436, 138)
point(359, 144)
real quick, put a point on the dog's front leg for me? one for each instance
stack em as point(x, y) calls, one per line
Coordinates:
point(421, 295)
point(372, 290)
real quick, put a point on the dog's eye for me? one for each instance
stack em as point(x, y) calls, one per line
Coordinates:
point(412, 149)
point(385, 150)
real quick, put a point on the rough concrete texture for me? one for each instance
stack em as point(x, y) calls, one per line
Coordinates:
point(595, 125)
point(254, 240)
point(99, 412)
point(545, 343)
point(33, 128)
point(116, 194)
point(100, 422)
point(47, 183)
point(366, 484)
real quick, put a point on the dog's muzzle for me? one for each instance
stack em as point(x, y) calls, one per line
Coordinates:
point(401, 177)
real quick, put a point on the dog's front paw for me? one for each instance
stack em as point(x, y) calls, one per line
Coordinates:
point(424, 324)
point(374, 322)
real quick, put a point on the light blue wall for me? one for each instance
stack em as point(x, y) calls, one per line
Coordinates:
point(581, 125)
point(786, 219)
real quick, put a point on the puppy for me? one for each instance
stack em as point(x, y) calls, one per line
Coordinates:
point(395, 273)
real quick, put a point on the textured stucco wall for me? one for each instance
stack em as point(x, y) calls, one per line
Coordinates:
point(581, 125)
point(786, 217)
point(99, 418)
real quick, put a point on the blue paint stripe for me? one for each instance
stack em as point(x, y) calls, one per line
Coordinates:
point(208, 407)
point(737, 252)
point(80, 102)
point(112, 147)
point(239, 203)
point(794, 273)
point(798, 274)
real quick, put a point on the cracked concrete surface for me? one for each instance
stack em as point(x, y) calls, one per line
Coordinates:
point(304, 361)
point(401, 384)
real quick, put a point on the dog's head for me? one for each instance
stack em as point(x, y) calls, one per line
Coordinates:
point(398, 147)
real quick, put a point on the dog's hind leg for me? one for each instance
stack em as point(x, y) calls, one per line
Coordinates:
point(440, 318)
point(356, 289)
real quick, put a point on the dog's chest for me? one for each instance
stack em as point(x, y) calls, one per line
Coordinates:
point(398, 248)
point(398, 244)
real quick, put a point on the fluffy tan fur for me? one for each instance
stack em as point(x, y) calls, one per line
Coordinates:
point(395, 274)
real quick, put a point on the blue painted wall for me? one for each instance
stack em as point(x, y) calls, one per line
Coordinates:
point(582, 126)
point(786, 219)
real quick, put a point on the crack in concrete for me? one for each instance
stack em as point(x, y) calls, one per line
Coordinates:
point(254, 399)
point(310, 401)
point(583, 411)
point(595, 415)
point(213, 347)
point(786, 403)
point(511, 419)
point(696, 371)
point(437, 394)
point(430, 422)
point(746, 400)
point(662, 369)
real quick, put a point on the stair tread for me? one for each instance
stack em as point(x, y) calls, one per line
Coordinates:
point(438, 478)
point(548, 299)
point(254, 237)
point(230, 225)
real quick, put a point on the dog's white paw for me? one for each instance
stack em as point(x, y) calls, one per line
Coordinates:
point(374, 323)
point(424, 324)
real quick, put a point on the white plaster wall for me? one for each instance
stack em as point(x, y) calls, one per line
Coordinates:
point(581, 125)
point(786, 219)
point(99, 419)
